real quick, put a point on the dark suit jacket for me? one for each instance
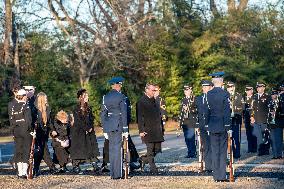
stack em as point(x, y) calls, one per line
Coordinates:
point(149, 120)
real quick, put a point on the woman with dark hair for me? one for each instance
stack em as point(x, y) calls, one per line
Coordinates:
point(43, 128)
point(83, 146)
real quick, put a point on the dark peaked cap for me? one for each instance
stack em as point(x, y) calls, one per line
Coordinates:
point(217, 74)
point(116, 80)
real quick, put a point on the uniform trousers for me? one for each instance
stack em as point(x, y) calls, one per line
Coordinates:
point(23, 141)
point(277, 141)
point(219, 145)
point(115, 154)
point(205, 139)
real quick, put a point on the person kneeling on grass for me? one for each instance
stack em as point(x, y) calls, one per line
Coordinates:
point(60, 142)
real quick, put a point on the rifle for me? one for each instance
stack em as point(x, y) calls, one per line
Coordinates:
point(126, 157)
point(31, 159)
point(230, 156)
point(200, 151)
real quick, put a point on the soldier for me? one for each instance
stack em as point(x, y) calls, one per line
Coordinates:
point(259, 119)
point(236, 106)
point(218, 120)
point(150, 127)
point(252, 144)
point(187, 120)
point(160, 101)
point(202, 105)
point(114, 120)
point(275, 123)
point(30, 90)
point(20, 119)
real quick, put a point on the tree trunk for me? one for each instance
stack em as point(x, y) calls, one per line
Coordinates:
point(8, 31)
point(243, 5)
point(231, 6)
point(213, 9)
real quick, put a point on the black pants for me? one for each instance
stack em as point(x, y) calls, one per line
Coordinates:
point(42, 151)
point(152, 149)
point(23, 141)
point(62, 155)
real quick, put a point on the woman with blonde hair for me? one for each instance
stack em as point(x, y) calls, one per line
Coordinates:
point(43, 128)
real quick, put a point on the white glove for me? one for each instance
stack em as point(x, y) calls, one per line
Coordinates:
point(33, 134)
point(64, 143)
point(106, 135)
point(125, 134)
point(230, 132)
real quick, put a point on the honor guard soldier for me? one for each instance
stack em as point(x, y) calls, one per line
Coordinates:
point(275, 123)
point(236, 106)
point(247, 110)
point(20, 119)
point(218, 121)
point(202, 107)
point(259, 118)
point(160, 101)
point(187, 120)
point(114, 121)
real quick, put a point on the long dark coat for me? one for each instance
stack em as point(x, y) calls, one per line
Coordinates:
point(83, 144)
point(149, 119)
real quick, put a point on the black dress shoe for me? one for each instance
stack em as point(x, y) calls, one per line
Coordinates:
point(105, 170)
point(117, 178)
point(24, 177)
point(222, 180)
point(53, 171)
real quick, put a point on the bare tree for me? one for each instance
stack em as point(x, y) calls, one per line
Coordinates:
point(8, 31)
point(105, 32)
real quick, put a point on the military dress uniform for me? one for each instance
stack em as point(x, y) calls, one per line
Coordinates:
point(260, 114)
point(20, 119)
point(276, 123)
point(236, 106)
point(247, 110)
point(114, 121)
point(202, 107)
point(218, 123)
point(162, 104)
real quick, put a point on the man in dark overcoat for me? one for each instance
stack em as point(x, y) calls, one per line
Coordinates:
point(150, 127)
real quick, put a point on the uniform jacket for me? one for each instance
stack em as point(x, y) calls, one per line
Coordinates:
point(247, 107)
point(161, 103)
point(202, 107)
point(19, 114)
point(188, 112)
point(260, 108)
point(149, 120)
point(236, 104)
point(277, 107)
point(114, 112)
point(218, 113)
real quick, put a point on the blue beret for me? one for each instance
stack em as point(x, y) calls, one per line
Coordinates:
point(206, 83)
point(116, 80)
point(217, 74)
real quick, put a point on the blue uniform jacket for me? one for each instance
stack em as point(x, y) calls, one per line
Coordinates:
point(218, 110)
point(202, 108)
point(114, 112)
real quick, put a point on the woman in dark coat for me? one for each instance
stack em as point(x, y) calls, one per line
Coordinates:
point(83, 146)
point(43, 128)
